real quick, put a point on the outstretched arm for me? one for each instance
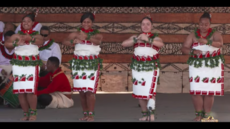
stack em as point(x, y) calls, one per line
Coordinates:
point(128, 42)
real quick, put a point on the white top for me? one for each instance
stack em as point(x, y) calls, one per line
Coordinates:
point(2, 25)
point(205, 48)
point(145, 51)
point(53, 50)
point(36, 28)
point(27, 50)
point(86, 50)
point(3, 60)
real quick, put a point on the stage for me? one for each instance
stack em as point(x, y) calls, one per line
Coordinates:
point(124, 108)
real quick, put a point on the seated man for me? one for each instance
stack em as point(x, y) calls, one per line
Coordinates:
point(54, 90)
point(49, 48)
point(7, 27)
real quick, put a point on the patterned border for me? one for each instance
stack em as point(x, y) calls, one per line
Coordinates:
point(161, 28)
point(115, 48)
point(48, 10)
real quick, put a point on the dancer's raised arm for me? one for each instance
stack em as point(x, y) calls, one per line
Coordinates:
point(129, 42)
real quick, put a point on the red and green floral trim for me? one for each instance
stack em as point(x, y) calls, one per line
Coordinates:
point(197, 79)
point(23, 78)
point(145, 63)
point(26, 60)
point(6, 55)
point(83, 76)
point(142, 82)
point(89, 64)
point(31, 33)
point(43, 47)
point(213, 58)
point(91, 57)
point(89, 32)
point(208, 36)
point(146, 45)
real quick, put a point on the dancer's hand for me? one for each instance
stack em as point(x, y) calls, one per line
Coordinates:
point(203, 41)
point(75, 41)
point(143, 37)
point(21, 41)
point(26, 37)
point(197, 52)
point(82, 35)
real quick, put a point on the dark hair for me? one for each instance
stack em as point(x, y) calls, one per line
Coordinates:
point(31, 16)
point(9, 33)
point(147, 18)
point(45, 28)
point(87, 15)
point(54, 60)
point(206, 15)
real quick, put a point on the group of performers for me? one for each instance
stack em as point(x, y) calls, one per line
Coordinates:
point(30, 51)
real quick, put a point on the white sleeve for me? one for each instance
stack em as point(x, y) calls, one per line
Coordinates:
point(38, 27)
point(56, 51)
point(18, 28)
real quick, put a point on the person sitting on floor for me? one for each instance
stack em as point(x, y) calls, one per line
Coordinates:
point(54, 90)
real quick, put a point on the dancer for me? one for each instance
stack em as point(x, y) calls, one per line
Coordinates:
point(48, 49)
point(26, 64)
point(206, 68)
point(86, 64)
point(36, 26)
point(145, 66)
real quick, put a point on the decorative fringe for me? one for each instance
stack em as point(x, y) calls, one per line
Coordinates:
point(145, 65)
point(85, 64)
point(214, 61)
point(26, 63)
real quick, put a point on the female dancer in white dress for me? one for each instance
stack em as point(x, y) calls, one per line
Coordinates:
point(206, 68)
point(26, 64)
point(86, 64)
point(145, 66)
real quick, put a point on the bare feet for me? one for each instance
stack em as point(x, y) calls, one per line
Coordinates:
point(90, 118)
point(25, 118)
point(152, 118)
point(83, 118)
point(32, 118)
point(198, 118)
point(144, 118)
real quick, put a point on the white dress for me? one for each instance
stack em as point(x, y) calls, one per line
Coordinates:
point(86, 66)
point(26, 69)
point(206, 78)
point(145, 70)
